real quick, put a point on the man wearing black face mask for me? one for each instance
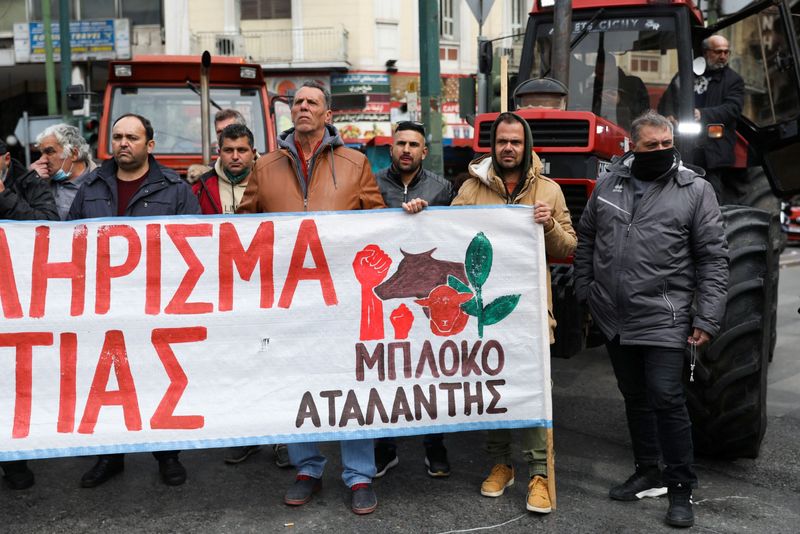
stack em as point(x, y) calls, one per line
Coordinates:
point(650, 243)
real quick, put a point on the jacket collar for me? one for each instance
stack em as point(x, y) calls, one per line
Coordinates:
point(107, 172)
point(482, 169)
point(395, 176)
point(329, 137)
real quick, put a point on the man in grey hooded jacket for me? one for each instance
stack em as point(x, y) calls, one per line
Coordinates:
point(650, 243)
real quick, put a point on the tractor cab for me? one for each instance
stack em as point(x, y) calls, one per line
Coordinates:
point(627, 57)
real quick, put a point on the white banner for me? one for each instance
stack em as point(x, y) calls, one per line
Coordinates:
point(139, 334)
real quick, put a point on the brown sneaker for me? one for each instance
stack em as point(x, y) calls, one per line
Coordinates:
point(501, 477)
point(538, 496)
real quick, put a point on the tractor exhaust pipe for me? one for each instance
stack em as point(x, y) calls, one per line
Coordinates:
point(562, 32)
point(205, 64)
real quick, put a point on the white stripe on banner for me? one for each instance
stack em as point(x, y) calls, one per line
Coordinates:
point(141, 334)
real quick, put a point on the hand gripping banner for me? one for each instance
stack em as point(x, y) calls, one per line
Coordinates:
point(125, 335)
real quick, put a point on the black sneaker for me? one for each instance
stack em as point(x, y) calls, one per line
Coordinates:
point(17, 475)
point(680, 512)
point(436, 461)
point(641, 484)
point(385, 459)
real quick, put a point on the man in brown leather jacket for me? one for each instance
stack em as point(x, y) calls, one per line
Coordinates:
point(312, 170)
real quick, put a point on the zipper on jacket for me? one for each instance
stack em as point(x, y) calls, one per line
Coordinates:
point(601, 199)
point(405, 192)
point(669, 303)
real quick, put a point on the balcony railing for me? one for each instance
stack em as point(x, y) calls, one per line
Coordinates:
point(291, 47)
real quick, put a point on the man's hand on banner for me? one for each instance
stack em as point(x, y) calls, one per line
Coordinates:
point(415, 206)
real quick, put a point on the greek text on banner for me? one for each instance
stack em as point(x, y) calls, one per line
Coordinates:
point(124, 335)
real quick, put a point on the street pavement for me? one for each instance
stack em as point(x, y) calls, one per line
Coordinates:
point(592, 453)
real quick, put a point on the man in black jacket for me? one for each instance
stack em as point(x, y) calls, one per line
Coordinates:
point(406, 184)
point(24, 196)
point(133, 184)
point(651, 248)
point(718, 99)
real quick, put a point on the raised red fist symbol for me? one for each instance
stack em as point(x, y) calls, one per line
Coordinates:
point(401, 319)
point(371, 265)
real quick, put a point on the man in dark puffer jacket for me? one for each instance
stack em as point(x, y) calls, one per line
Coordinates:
point(650, 243)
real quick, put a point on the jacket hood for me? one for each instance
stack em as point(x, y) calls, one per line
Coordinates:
point(329, 137)
point(483, 169)
point(528, 149)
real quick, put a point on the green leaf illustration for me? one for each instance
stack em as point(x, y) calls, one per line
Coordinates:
point(471, 307)
point(499, 308)
point(478, 261)
point(457, 284)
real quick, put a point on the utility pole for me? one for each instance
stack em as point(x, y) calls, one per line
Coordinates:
point(66, 52)
point(49, 66)
point(430, 83)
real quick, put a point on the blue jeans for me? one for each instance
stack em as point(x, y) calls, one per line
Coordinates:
point(358, 459)
point(649, 379)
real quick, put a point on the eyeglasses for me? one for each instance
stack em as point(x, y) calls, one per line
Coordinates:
point(49, 151)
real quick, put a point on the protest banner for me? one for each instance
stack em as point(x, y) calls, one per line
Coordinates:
point(140, 334)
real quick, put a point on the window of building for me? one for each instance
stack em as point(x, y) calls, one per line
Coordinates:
point(266, 9)
point(448, 20)
point(11, 12)
point(137, 11)
point(644, 64)
point(97, 9)
point(519, 15)
point(36, 10)
point(141, 11)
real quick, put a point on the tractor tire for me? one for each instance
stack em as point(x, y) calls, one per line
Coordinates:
point(727, 400)
point(569, 315)
point(751, 188)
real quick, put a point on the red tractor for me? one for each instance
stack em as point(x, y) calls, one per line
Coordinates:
point(166, 90)
point(622, 55)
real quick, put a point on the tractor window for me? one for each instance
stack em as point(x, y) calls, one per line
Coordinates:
point(619, 69)
point(760, 53)
point(175, 114)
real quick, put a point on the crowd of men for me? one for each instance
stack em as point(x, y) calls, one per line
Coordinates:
point(644, 315)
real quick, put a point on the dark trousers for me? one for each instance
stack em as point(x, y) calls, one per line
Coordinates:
point(159, 455)
point(389, 444)
point(649, 379)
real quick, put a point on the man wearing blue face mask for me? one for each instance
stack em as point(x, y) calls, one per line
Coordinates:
point(220, 190)
point(65, 162)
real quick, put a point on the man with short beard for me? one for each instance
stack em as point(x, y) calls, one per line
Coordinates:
point(405, 184)
point(133, 184)
point(718, 99)
point(512, 174)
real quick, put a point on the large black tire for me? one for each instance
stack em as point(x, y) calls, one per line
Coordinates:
point(751, 188)
point(728, 399)
point(569, 315)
